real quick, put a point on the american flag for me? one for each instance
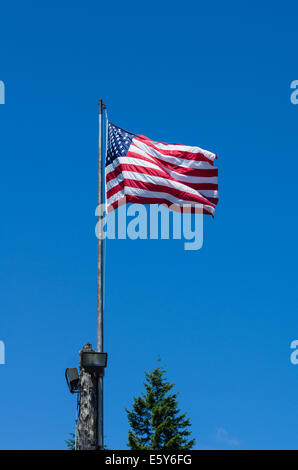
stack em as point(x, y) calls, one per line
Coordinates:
point(144, 171)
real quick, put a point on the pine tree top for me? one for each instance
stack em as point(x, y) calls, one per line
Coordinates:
point(155, 420)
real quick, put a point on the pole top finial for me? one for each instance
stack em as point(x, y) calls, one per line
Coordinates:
point(100, 106)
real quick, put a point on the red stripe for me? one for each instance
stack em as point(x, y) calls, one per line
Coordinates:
point(179, 169)
point(115, 189)
point(159, 188)
point(213, 200)
point(199, 156)
point(145, 200)
point(151, 171)
point(121, 185)
point(114, 173)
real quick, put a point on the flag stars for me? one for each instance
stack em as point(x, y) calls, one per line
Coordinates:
point(118, 143)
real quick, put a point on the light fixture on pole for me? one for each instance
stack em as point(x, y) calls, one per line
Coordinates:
point(72, 379)
point(94, 362)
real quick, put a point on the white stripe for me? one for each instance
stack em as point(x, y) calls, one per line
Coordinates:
point(143, 149)
point(178, 176)
point(132, 175)
point(129, 161)
point(156, 195)
point(183, 148)
point(209, 193)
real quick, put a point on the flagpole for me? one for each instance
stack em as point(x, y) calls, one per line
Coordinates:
point(99, 335)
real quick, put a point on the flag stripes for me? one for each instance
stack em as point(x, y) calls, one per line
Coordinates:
point(149, 172)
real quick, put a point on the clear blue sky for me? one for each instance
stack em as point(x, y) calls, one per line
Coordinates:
point(216, 75)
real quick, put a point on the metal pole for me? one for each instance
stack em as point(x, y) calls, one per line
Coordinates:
point(99, 336)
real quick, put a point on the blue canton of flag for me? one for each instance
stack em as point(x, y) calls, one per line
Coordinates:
point(118, 142)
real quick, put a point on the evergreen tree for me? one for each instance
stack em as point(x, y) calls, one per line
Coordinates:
point(71, 443)
point(155, 420)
